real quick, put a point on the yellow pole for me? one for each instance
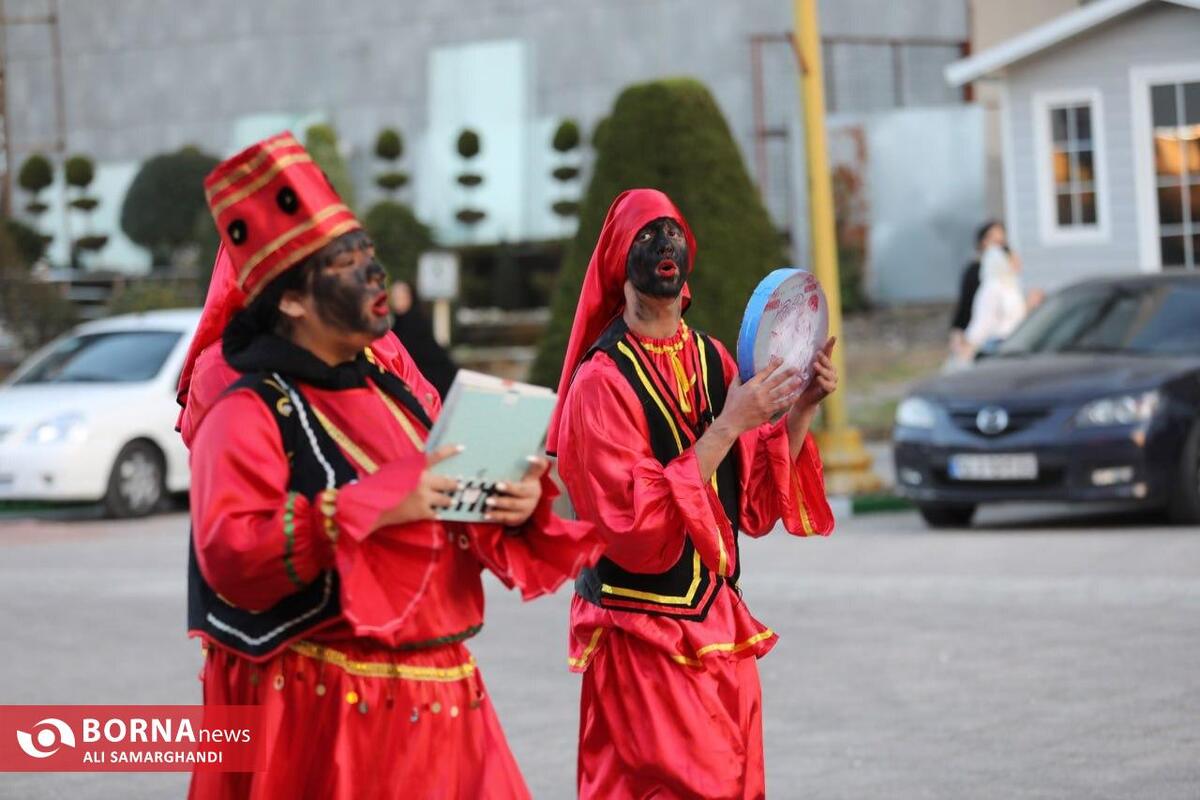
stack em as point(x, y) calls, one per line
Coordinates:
point(847, 462)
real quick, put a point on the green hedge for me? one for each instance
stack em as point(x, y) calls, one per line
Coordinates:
point(670, 135)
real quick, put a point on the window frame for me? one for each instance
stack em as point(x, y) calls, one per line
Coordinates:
point(1052, 233)
point(1141, 78)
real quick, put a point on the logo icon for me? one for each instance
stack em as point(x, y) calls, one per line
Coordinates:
point(47, 741)
point(991, 420)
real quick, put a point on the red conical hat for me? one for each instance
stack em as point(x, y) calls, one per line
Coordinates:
point(273, 207)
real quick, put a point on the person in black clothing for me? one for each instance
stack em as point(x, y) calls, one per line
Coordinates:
point(415, 332)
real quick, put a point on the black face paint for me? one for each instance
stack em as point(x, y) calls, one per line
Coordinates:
point(658, 259)
point(345, 297)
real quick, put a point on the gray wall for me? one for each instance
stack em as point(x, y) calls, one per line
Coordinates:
point(147, 76)
point(1162, 33)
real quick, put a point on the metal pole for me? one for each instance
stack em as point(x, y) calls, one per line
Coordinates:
point(6, 192)
point(60, 103)
point(847, 463)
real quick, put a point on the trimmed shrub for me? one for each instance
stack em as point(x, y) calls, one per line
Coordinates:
point(391, 181)
point(389, 145)
point(79, 171)
point(468, 145)
point(566, 136)
point(36, 174)
point(164, 202)
point(690, 154)
point(399, 238)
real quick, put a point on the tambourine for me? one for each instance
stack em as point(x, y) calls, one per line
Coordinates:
point(787, 317)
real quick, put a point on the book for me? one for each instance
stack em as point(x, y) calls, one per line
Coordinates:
point(499, 423)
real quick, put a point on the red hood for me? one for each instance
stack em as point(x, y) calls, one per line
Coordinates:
point(602, 297)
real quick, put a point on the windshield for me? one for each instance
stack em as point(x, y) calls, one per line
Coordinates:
point(115, 357)
point(1161, 319)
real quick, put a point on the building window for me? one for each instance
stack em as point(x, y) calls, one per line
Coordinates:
point(1068, 143)
point(1175, 111)
point(1073, 165)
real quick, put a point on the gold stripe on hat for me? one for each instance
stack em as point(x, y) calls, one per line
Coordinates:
point(251, 165)
point(300, 230)
point(261, 181)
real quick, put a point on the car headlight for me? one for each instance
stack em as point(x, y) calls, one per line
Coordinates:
point(63, 428)
point(914, 412)
point(1125, 409)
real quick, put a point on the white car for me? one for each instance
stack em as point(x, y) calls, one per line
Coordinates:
point(91, 416)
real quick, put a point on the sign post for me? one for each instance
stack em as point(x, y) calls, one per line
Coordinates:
point(437, 280)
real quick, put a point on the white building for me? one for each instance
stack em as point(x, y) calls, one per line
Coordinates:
point(1100, 116)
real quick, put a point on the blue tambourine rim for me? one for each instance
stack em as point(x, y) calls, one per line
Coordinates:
point(753, 316)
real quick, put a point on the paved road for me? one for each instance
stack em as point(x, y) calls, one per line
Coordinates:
point(1039, 656)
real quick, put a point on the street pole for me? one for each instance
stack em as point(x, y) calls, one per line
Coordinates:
point(847, 463)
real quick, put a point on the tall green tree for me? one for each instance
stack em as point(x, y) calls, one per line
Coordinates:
point(670, 135)
point(165, 202)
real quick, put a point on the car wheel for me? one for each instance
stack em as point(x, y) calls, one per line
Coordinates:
point(137, 483)
point(947, 516)
point(1184, 505)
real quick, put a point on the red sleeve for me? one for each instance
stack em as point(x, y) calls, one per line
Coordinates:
point(211, 376)
point(640, 507)
point(774, 488)
point(256, 542)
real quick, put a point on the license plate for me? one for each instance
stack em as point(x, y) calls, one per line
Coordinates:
point(1007, 467)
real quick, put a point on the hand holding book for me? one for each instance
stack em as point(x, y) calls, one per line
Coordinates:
point(432, 493)
point(516, 501)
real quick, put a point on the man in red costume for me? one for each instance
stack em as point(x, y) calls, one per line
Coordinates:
point(321, 581)
point(671, 457)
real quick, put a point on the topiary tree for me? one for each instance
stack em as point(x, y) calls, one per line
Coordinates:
point(691, 155)
point(468, 146)
point(35, 176)
point(389, 147)
point(80, 172)
point(399, 238)
point(164, 202)
point(321, 141)
point(565, 142)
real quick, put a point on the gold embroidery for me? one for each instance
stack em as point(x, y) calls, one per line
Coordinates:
point(290, 234)
point(669, 600)
point(343, 441)
point(244, 170)
point(402, 418)
point(650, 388)
point(376, 669)
point(722, 647)
point(588, 651)
point(260, 181)
point(682, 382)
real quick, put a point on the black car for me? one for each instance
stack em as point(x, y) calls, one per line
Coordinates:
point(1095, 397)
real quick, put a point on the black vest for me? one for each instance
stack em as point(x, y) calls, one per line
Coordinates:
point(316, 464)
point(687, 589)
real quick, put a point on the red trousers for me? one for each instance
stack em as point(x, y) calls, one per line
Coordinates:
point(346, 724)
point(650, 727)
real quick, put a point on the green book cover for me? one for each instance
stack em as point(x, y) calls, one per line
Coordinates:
point(500, 423)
